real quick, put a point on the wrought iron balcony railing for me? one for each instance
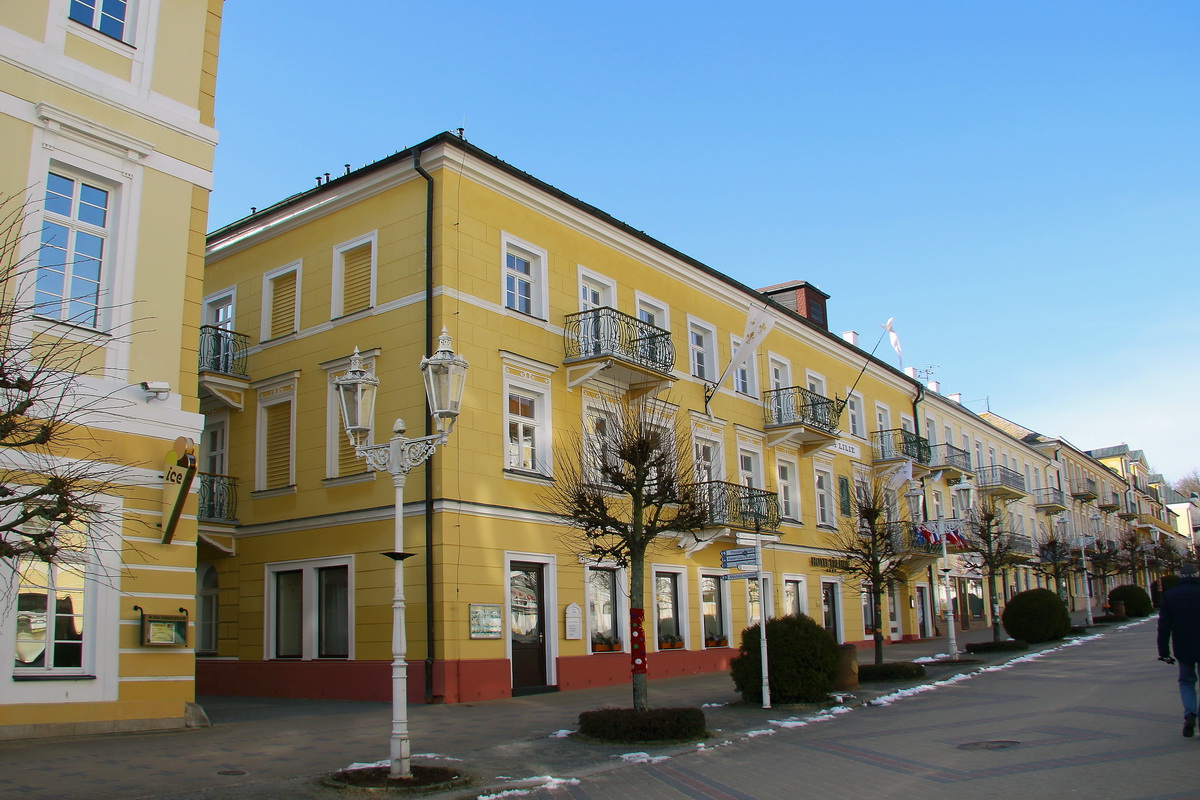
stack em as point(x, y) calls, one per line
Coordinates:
point(947, 456)
point(222, 351)
point(217, 497)
point(998, 477)
point(796, 405)
point(1021, 544)
point(606, 332)
point(1084, 489)
point(1050, 497)
point(1113, 503)
point(898, 443)
point(737, 506)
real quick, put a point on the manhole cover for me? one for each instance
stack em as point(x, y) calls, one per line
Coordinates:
point(1001, 744)
point(231, 772)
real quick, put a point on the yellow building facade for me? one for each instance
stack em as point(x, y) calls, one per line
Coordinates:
point(106, 111)
point(556, 306)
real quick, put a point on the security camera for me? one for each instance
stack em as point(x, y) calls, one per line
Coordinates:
point(159, 390)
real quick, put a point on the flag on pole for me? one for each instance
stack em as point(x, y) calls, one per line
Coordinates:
point(758, 322)
point(894, 339)
point(954, 536)
point(928, 534)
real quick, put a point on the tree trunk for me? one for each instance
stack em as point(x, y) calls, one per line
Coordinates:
point(637, 636)
point(994, 599)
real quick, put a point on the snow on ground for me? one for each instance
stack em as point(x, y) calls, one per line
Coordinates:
point(641, 758)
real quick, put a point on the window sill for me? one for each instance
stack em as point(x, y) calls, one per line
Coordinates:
point(18, 677)
point(527, 476)
point(74, 327)
point(524, 314)
point(262, 494)
point(365, 476)
point(825, 527)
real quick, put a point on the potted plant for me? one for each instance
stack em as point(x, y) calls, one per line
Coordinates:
point(715, 640)
point(602, 643)
point(669, 641)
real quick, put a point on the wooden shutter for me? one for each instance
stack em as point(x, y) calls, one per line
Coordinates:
point(356, 279)
point(347, 462)
point(283, 305)
point(278, 439)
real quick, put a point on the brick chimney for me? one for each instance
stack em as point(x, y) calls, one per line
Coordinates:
point(802, 297)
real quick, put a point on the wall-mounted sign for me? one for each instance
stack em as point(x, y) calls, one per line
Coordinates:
point(177, 482)
point(164, 630)
point(829, 563)
point(485, 621)
point(573, 621)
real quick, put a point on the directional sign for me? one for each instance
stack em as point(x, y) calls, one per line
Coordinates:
point(737, 576)
point(738, 555)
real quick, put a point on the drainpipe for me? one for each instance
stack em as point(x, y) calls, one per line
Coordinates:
point(429, 431)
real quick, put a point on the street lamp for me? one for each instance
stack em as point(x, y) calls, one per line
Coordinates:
point(916, 499)
point(445, 376)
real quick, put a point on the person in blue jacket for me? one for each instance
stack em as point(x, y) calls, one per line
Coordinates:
point(1179, 632)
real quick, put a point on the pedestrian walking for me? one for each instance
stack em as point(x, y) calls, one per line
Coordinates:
point(1179, 633)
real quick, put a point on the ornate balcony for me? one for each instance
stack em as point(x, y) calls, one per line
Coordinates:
point(1000, 482)
point(1021, 547)
point(954, 461)
point(1049, 500)
point(1113, 503)
point(731, 505)
point(217, 498)
point(1083, 490)
point(1146, 522)
point(222, 366)
point(801, 417)
point(900, 445)
point(605, 339)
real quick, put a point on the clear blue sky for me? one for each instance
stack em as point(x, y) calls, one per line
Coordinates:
point(1016, 183)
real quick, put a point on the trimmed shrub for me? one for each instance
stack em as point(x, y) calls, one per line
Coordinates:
point(803, 659)
point(1037, 615)
point(651, 725)
point(888, 671)
point(1137, 602)
point(1008, 646)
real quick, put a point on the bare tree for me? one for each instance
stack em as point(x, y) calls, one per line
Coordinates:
point(1056, 562)
point(624, 487)
point(1130, 555)
point(992, 549)
point(876, 546)
point(1105, 563)
point(1189, 483)
point(52, 469)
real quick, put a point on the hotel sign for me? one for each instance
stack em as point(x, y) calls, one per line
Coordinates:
point(849, 448)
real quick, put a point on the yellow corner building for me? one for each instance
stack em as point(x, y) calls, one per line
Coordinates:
point(106, 112)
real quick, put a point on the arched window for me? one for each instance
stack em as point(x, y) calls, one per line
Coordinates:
point(206, 609)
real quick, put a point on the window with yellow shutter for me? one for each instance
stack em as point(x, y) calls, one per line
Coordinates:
point(277, 445)
point(281, 293)
point(356, 278)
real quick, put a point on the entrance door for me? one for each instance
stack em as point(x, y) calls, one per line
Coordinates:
point(829, 608)
point(527, 626)
point(923, 612)
point(893, 604)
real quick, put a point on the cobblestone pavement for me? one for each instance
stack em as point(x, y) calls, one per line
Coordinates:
point(1098, 717)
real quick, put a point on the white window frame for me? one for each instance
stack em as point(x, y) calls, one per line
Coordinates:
point(826, 513)
point(538, 290)
point(802, 593)
point(854, 406)
point(268, 295)
point(620, 594)
point(745, 377)
point(337, 293)
point(723, 593)
point(281, 389)
point(540, 422)
point(752, 476)
point(130, 33)
point(788, 487)
point(766, 596)
point(659, 310)
point(310, 629)
point(706, 347)
point(681, 602)
point(779, 371)
point(815, 382)
point(604, 286)
point(335, 430)
point(717, 471)
point(839, 610)
point(883, 417)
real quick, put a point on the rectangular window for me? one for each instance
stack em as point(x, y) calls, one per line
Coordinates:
point(700, 346)
point(73, 251)
point(789, 493)
point(756, 597)
point(749, 469)
point(353, 276)
point(854, 406)
point(310, 609)
point(744, 381)
point(599, 453)
point(603, 611)
point(667, 610)
point(281, 291)
point(824, 491)
point(845, 505)
point(277, 422)
point(794, 599)
point(51, 617)
point(712, 606)
point(518, 283)
point(708, 461)
point(524, 277)
point(107, 16)
point(523, 430)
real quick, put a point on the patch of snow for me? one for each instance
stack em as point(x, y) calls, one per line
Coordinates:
point(505, 793)
point(434, 756)
point(364, 765)
point(562, 734)
point(713, 705)
point(763, 732)
point(641, 758)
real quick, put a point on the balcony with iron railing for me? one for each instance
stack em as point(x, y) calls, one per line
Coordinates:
point(1111, 503)
point(802, 417)
point(999, 481)
point(731, 505)
point(1049, 500)
point(897, 444)
point(217, 497)
point(604, 338)
point(1148, 521)
point(1084, 490)
point(954, 461)
point(221, 366)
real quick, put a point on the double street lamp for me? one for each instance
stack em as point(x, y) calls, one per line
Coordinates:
point(445, 376)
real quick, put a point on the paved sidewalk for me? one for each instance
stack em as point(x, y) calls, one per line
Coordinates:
point(274, 748)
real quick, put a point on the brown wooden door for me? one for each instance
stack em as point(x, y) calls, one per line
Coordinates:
point(527, 625)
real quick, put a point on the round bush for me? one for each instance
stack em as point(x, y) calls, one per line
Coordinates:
point(803, 659)
point(1137, 602)
point(1037, 615)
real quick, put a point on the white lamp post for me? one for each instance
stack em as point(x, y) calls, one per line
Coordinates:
point(445, 377)
point(962, 490)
